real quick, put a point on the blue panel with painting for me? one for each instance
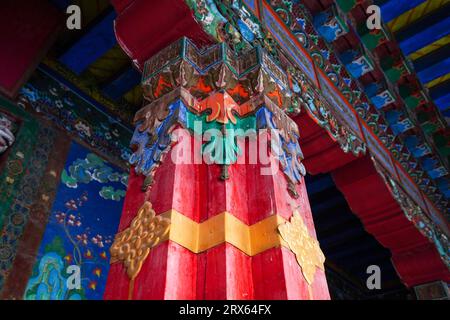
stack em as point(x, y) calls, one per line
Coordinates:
point(81, 228)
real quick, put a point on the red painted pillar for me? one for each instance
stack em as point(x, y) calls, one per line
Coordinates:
point(224, 228)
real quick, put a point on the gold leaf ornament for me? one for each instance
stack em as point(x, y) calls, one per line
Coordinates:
point(133, 245)
point(306, 248)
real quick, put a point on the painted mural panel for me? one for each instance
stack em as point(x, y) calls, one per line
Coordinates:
point(81, 227)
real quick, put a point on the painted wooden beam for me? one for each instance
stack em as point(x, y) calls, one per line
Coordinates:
point(438, 81)
point(416, 13)
point(144, 27)
point(434, 71)
point(440, 90)
point(91, 46)
point(394, 8)
point(108, 66)
point(424, 31)
point(126, 81)
point(432, 58)
point(443, 102)
point(383, 217)
point(430, 48)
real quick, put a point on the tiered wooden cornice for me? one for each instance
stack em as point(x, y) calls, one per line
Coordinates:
point(321, 80)
point(222, 90)
point(380, 69)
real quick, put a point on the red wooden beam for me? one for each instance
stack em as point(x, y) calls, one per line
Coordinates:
point(413, 255)
point(27, 30)
point(145, 27)
point(322, 153)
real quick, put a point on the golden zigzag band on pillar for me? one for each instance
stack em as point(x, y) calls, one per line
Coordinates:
point(273, 231)
point(224, 227)
point(147, 230)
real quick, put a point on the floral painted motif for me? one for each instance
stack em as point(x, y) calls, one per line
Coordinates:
point(84, 219)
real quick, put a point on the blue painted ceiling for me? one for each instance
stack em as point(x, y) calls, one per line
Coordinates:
point(94, 57)
point(422, 29)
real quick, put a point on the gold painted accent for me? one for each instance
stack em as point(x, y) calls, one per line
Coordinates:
point(306, 248)
point(437, 81)
point(134, 96)
point(415, 14)
point(107, 66)
point(224, 227)
point(430, 48)
point(133, 245)
point(147, 230)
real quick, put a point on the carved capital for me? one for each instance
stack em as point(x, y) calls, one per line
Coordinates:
point(221, 90)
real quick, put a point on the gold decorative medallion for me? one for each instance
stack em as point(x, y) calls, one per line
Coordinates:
point(133, 245)
point(306, 248)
